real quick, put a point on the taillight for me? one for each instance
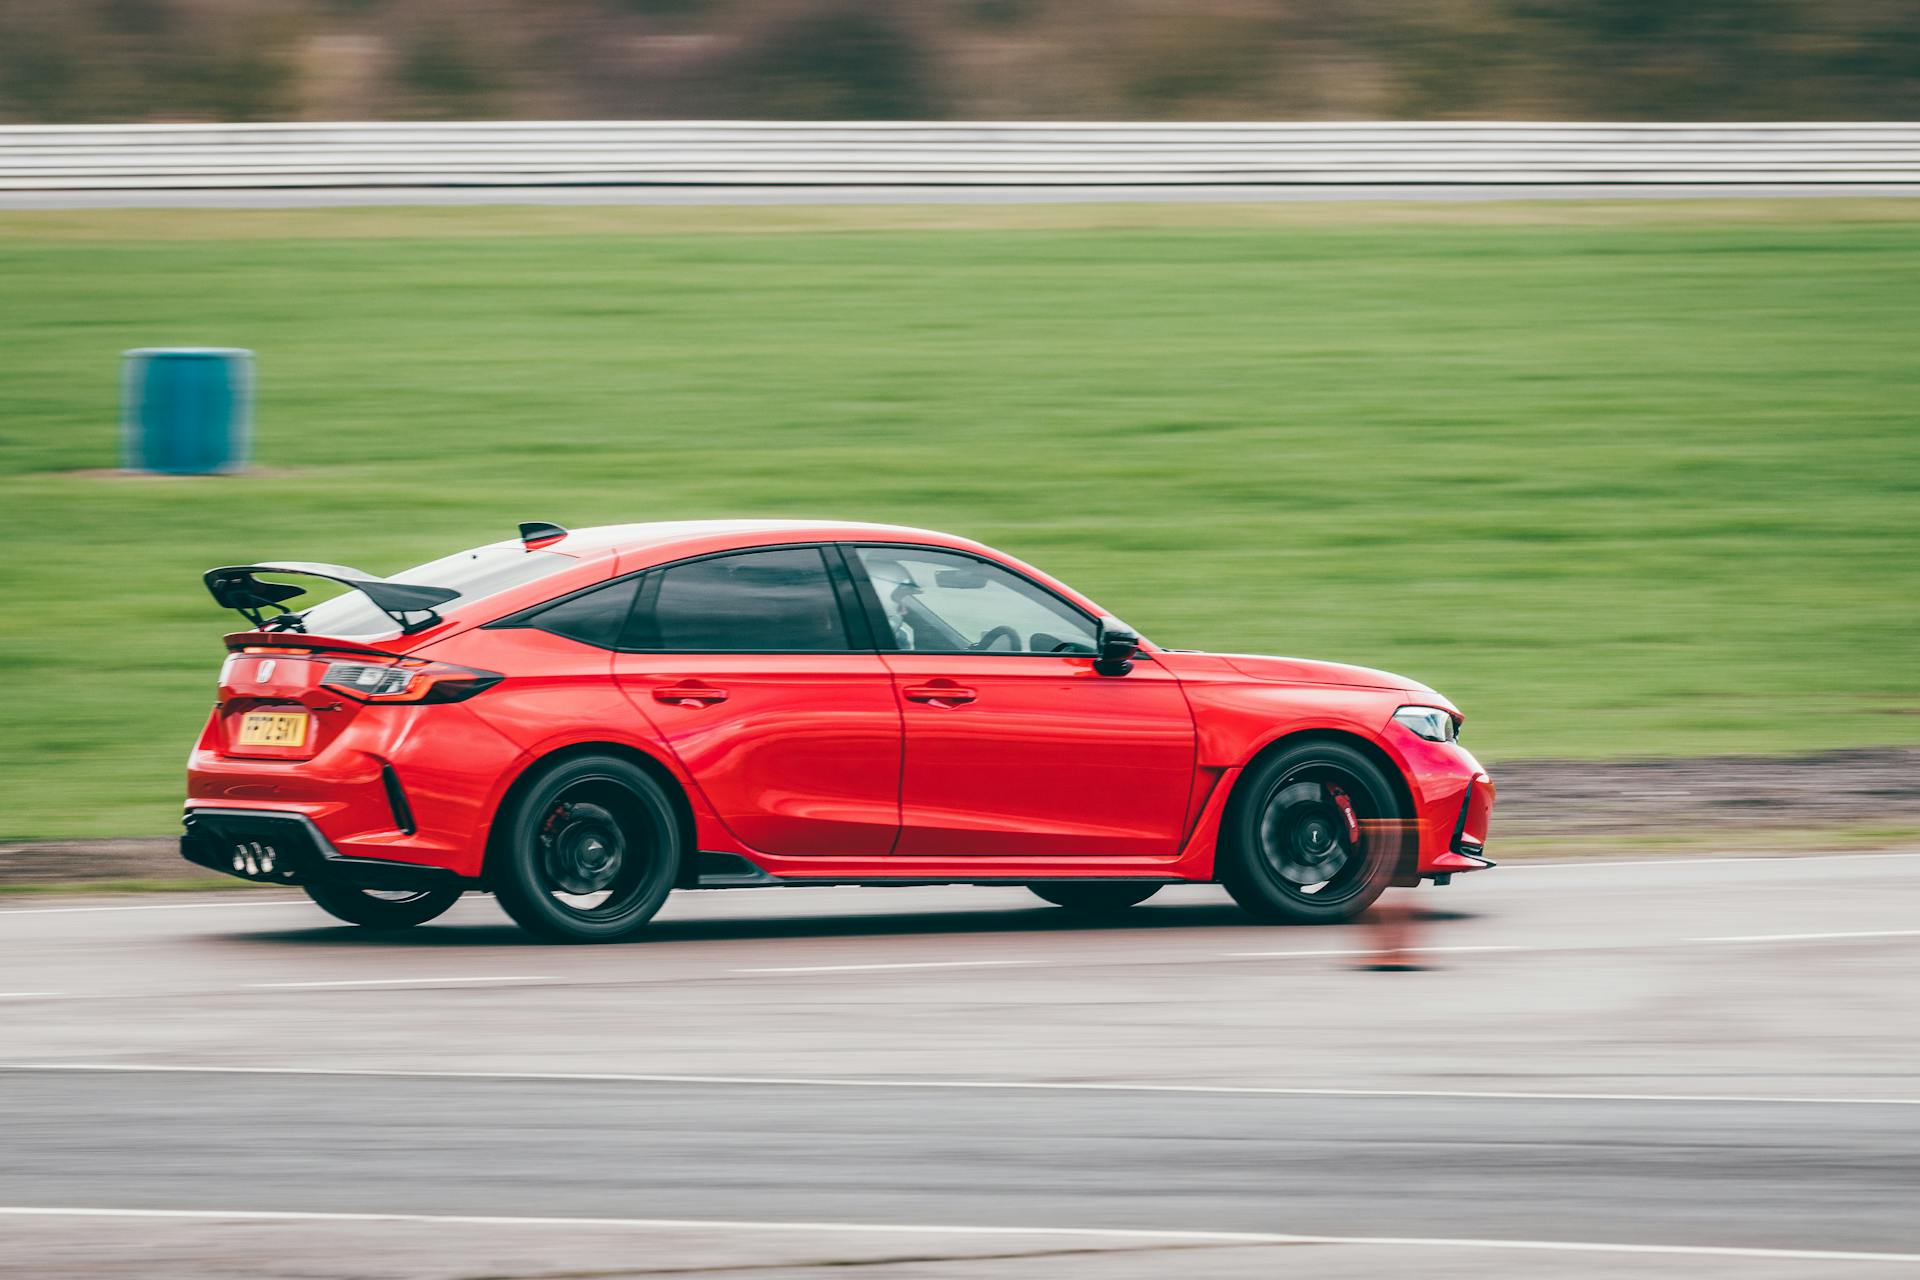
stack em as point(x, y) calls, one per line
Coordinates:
point(406, 680)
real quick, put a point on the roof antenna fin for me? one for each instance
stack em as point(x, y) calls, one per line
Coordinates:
point(538, 533)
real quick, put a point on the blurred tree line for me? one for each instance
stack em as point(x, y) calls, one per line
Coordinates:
point(100, 60)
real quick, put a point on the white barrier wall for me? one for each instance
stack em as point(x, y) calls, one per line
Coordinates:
point(533, 153)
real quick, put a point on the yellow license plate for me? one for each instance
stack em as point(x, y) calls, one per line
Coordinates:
point(273, 729)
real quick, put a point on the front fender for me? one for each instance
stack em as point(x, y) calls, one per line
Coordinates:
point(1237, 718)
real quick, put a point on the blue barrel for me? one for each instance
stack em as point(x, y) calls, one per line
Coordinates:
point(186, 411)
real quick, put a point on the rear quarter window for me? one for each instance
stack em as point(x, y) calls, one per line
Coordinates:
point(597, 617)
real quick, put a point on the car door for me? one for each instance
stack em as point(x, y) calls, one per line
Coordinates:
point(756, 668)
point(1015, 745)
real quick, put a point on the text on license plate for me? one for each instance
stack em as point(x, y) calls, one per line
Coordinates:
point(273, 729)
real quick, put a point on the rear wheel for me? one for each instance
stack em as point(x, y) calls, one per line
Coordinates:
point(382, 908)
point(1093, 897)
point(1313, 836)
point(588, 852)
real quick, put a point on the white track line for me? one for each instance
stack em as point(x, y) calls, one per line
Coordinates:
point(425, 981)
point(429, 981)
point(881, 1082)
point(923, 1229)
point(862, 968)
point(1475, 948)
point(1374, 951)
point(1812, 937)
point(1558, 864)
point(1645, 945)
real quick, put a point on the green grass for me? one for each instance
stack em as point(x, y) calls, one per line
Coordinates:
point(1622, 480)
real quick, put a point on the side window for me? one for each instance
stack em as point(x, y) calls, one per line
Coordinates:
point(596, 617)
point(778, 601)
point(942, 602)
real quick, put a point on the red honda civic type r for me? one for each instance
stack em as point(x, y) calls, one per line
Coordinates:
point(581, 722)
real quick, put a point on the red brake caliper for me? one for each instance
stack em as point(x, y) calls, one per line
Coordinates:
point(1346, 811)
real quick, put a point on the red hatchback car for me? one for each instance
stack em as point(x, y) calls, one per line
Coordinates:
point(581, 722)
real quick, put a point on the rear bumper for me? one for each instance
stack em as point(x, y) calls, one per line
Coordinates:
point(270, 846)
point(415, 785)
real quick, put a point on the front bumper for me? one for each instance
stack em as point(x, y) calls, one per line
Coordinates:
point(1453, 796)
point(276, 847)
point(1466, 851)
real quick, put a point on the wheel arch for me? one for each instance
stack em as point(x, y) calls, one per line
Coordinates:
point(646, 761)
point(1396, 776)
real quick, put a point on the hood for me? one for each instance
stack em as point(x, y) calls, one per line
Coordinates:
point(1310, 671)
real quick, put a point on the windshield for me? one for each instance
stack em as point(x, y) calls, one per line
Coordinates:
point(475, 574)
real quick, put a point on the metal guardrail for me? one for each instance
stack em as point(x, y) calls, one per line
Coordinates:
point(728, 153)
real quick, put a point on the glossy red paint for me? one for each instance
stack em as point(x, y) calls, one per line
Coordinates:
point(1013, 755)
point(870, 765)
point(798, 754)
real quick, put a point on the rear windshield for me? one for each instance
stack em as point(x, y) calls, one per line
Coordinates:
point(474, 574)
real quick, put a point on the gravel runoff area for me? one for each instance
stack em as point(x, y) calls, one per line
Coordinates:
point(1730, 803)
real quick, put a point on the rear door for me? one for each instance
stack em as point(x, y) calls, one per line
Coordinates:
point(1015, 746)
point(757, 669)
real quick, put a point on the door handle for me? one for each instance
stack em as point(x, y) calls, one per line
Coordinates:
point(941, 693)
point(689, 693)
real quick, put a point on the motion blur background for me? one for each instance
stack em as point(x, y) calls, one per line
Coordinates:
point(1627, 479)
point(1635, 481)
point(118, 60)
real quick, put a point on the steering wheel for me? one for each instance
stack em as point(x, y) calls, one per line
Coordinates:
point(998, 633)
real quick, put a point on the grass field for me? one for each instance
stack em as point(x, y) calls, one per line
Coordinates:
point(1621, 479)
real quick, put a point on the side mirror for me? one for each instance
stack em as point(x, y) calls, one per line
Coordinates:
point(1117, 643)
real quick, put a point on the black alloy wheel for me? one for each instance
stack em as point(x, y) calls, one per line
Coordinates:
point(1314, 834)
point(587, 852)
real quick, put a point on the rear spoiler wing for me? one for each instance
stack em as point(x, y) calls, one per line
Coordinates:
point(235, 587)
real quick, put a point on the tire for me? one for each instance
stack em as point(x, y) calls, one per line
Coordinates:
point(587, 852)
point(394, 911)
point(1287, 853)
point(1093, 897)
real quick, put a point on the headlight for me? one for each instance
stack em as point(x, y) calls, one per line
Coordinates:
point(1431, 723)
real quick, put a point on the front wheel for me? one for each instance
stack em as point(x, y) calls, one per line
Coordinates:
point(1093, 897)
point(587, 852)
point(382, 908)
point(1315, 833)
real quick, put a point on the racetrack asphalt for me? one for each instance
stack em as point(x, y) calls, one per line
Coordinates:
point(1636, 1068)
